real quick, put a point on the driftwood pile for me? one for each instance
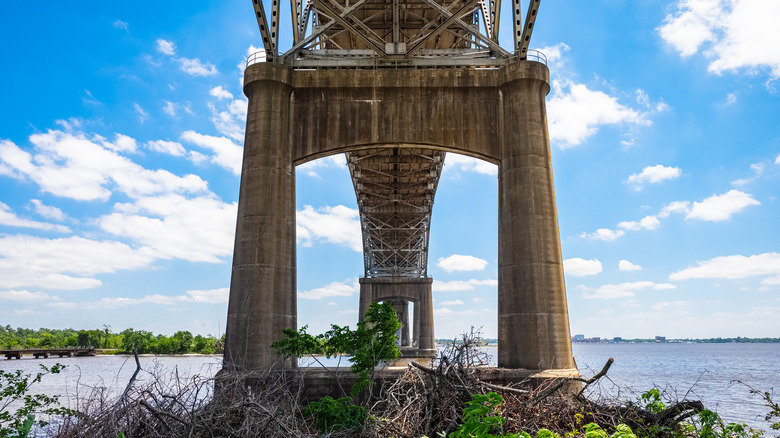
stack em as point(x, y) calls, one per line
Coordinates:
point(425, 401)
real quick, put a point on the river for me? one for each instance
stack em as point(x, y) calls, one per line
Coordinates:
point(707, 372)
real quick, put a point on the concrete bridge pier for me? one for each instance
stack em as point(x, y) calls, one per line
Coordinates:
point(533, 321)
point(263, 284)
point(399, 291)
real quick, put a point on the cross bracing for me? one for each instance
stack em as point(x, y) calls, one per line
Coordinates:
point(344, 33)
point(395, 188)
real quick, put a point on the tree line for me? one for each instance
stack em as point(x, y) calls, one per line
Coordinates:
point(181, 342)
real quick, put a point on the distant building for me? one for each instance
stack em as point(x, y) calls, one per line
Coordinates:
point(617, 339)
point(578, 338)
point(660, 339)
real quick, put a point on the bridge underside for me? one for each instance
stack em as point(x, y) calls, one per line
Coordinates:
point(395, 189)
point(395, 125)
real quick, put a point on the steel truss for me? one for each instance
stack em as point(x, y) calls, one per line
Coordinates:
point(395, 188)
point(343, 33)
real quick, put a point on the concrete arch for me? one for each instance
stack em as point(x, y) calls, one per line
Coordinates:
point(361, 147)
point(495, 114)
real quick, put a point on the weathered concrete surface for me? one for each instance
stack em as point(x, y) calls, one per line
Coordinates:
point(453, 109)
point(533, 318)
point(262, 287)
point(498, 115)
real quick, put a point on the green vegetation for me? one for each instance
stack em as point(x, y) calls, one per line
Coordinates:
point(14, 388)
point(181, 342)
point(482, 419)
point(372, 342)
point(336, 414)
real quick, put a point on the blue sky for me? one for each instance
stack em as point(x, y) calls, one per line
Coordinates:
point(120, 148)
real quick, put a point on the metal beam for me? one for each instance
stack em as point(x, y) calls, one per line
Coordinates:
point(325, 9)
point(262, 23)
point(324, 28)
point(490, 43)
point(517, 31)
point(495, 17)
point(530, 18)
point(451, 18)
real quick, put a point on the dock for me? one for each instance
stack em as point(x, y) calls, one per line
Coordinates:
point(46, 352)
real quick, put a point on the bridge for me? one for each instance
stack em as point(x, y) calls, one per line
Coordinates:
point(395, 85)
point(46, 352)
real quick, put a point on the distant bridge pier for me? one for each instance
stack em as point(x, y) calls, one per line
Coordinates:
point(400, 291)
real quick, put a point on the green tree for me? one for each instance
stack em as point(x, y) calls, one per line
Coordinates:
point(373, 341)
point(181, 342)
point(144, 340)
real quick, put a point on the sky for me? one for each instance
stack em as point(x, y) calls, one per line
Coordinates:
point(121, 132)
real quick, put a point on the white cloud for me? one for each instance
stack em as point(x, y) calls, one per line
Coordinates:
point(457, 262)
point(331, 161)
point(339, 225)
point(732, 34)
point(653, 174)
point(225, 153)
point(554, 55)
point(777, 160)
point(604, 234)
point(170, 108)
point(451, 303)
point(625, 265)
point(9, 218)
point(674, 207)
point(167, 147)
point(346, 288)
point(462, 163)
point(221, 93)
point(576, 112)
point(458, 285)
point(195, 67)
point(47, 210)
point(199, 229)
point(232, 120)
point(721, 207)
point(66, 263)
point(122, 143)
point(119, 24)
point(73, 166)
point(623, 290)
point(23, 296)
point(577, 267)
point(674, 305)
point(732, 267)
point(715, 208)
point(166, 47)
point(142, 114)
point(214, 296)
point(646, 223)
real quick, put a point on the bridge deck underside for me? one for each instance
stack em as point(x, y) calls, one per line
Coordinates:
point(395, 188)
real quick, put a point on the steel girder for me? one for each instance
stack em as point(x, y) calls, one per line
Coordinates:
point(393, 31)
point(395, 188)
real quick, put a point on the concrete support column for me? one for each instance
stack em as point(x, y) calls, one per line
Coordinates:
point(427, 343)
point(405, 332)
point(533, 321)
point(398, 291)
point(416, 323)
point(262, 286)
